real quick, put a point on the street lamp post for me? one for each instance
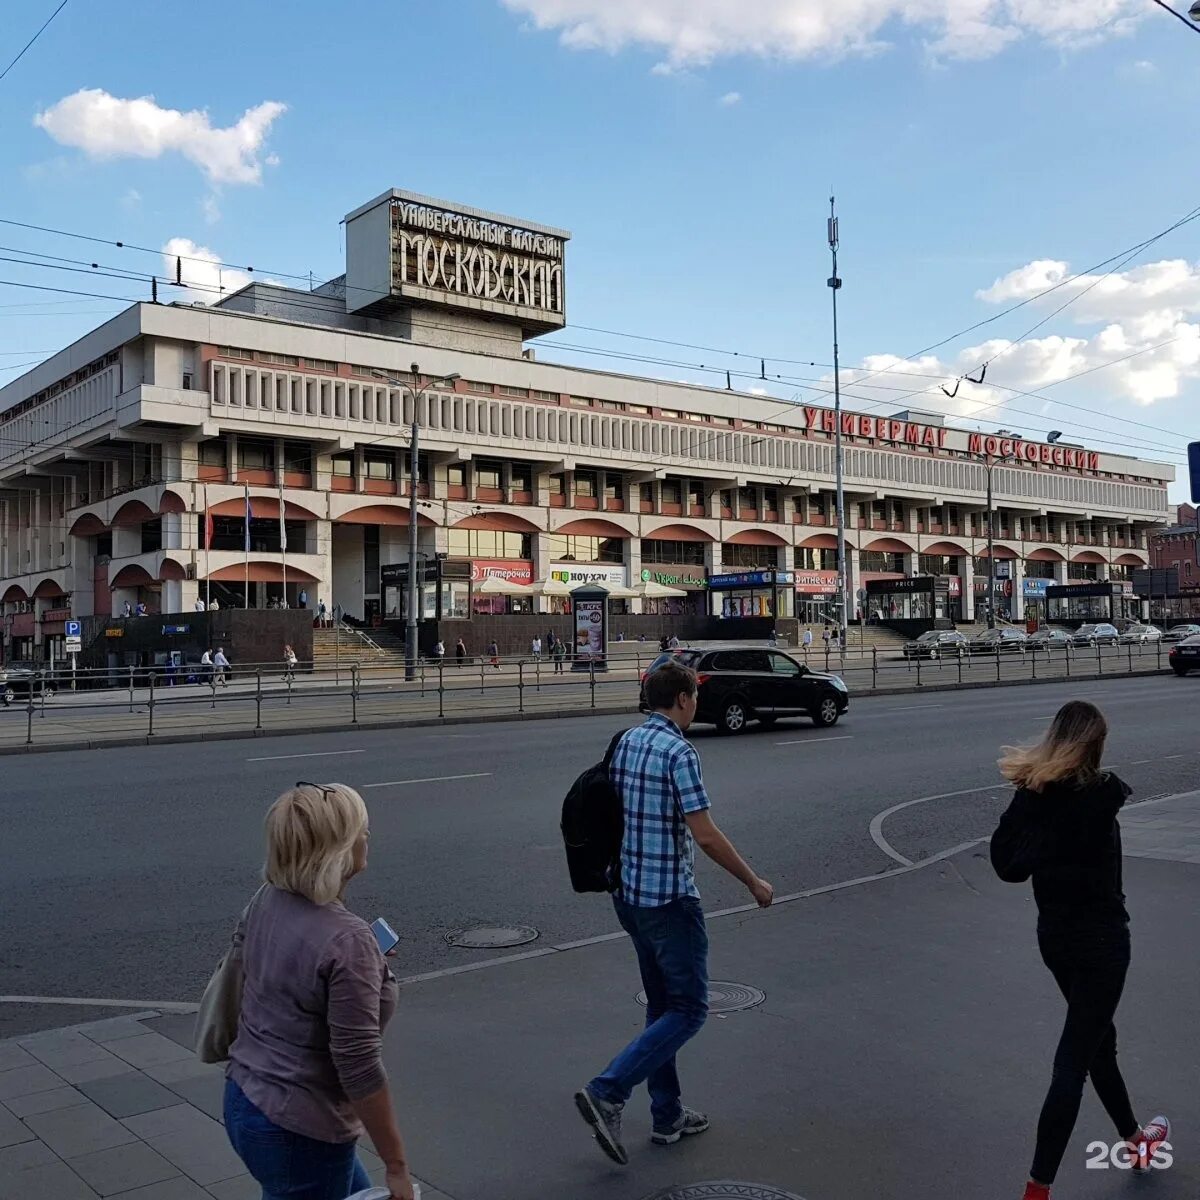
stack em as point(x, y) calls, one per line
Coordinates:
point(410, 624)
point(835, 285)
point(989, 464)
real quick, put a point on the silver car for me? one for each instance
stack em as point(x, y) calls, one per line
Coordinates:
point(1177, 633)
point(1139, 635)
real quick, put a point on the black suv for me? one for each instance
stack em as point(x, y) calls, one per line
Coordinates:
point(740, 685)
point(23, 678)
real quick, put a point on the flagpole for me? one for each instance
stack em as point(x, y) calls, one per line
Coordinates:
point(246, 543)
point(283, 543)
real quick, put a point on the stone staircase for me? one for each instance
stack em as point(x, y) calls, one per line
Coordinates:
point(345, 646)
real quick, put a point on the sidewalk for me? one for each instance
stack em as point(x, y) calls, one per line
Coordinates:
point(902, 1050)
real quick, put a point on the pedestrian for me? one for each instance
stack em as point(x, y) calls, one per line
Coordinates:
point(560, 655)
point(656, 771)
point(305, 1074)
point(535, 647)
point(494, 654)
point(835, 636)
point(673, 643)
point(1061, 830)
point(206, 668)
point(825, 637)
point(220, 667)
point(439, 652)
point(460, 652)
point(551, 640)
point(200, 606)
point(213, 606)
point(302, 599)
point(773, 640)
point(141, 609)
point(127, 611)
point(807, 640)
point(289, 664)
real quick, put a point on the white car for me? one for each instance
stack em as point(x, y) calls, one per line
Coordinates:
point(1138, 635)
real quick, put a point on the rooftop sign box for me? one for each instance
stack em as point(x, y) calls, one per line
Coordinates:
point(405, 248)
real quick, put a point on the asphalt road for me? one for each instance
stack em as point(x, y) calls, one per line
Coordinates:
point(122, 870)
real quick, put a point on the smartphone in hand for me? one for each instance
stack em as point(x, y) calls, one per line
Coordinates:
point(385, 935)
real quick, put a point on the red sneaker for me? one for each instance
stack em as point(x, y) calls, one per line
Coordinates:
point(1036, 1191)
point(1148, 1141)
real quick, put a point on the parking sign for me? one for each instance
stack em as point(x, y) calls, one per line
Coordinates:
point(73, 630)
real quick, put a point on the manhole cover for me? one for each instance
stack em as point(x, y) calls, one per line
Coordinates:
point(492, 937)
point(726, 998)
point(725, 1190)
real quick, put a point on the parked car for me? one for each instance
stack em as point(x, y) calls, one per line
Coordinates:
point(1177, 633)
point(23, 678)
point(1137, 635)
point(1185, 655)
point(740, 684)
point(937, 643)
point(993, 641)
point(1049, 639)
point(1102, 634)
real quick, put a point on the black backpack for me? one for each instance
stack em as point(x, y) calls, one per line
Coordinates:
point(593, 826)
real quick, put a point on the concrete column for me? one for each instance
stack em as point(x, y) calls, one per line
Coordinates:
point(966, 573)
point(541, 567)
point(712, 561)
point(911, 564)
point(633, 560)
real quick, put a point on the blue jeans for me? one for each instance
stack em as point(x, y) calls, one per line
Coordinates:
point(672, 950)
point(290, 1166)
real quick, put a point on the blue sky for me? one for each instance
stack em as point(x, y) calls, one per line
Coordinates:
point(691, 150)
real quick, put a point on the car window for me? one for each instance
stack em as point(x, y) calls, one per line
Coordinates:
point(782, 665)
point(689, 658)
point(740, 660)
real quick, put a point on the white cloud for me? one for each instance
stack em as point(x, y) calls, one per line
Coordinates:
point(203, 270)
point(211, 209)
point(132, 200)
point(730, 99)
point(105, 126)
point(695, 32)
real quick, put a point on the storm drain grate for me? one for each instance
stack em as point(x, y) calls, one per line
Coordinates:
point(723, 1190)
point(492, 937)
point(726, 998)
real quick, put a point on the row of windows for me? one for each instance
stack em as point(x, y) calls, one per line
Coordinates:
point(488, 543)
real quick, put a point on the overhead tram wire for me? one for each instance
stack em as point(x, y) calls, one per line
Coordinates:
point(45, 25)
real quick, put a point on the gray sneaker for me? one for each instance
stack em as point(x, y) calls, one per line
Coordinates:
point(605, 1120)
point(689, 1124)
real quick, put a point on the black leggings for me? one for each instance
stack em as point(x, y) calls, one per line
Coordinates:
point(1090, 971)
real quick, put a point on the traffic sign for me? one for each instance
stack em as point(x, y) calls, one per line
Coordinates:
point(73, 630)
point(74, 645)
point(1194, 470)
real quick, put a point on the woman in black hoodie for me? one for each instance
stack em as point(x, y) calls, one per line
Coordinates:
point(1062, 830)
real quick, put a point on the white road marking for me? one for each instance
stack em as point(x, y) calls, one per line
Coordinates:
point(175, 1006)
point(878, 820)
point(429, 779)
point(816, 741)
point(314, 754)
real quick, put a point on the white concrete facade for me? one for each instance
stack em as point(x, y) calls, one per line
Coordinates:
point(113, 451)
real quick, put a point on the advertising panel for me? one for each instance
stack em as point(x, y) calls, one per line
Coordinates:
point(590, 622)
point(508, 569)
point(574, 574)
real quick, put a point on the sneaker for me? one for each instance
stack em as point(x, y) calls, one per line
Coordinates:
point(689, 1124)
point(1148, 1141)
point(605, 1120)
point(1037, 1191)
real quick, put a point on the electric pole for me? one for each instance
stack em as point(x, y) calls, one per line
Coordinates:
point(844, 583)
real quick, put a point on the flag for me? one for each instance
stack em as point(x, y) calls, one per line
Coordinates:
point(248, 515)
point(282, 523)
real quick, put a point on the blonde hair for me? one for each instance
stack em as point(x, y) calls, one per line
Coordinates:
point(1071, 750)
point(312, 831)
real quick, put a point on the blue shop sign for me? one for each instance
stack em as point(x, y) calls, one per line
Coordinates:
point(170, 629)
point(1035, 589)
point(746, 579)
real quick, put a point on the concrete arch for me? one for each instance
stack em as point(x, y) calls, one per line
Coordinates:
point(1129, 560)
point(890, 545)
point(756, 537)
point(131, 576)
point(501, 522)
point(266, 507)
point(1088, 556)
point(819, 541)
point(172, 502)
point(131, 514)
point(1002, 551)
point(1045, 554)
point(49, 589)
point(380, 514)
point(171, 569)
point(946, 550)
point(14, 594)
point(88, 524)
point(677, 532)
point(594, 527)
point(261, 572)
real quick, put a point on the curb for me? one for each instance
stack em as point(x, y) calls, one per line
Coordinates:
point(612, 710)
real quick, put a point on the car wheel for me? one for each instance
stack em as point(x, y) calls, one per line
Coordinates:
point(934, 655)
point(1180, 671)
point(9, 695)
point(826, 713)
point(733, 717)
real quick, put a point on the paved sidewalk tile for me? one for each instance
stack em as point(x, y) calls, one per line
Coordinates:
point(188, 1067)
point(13, 1131)
point(178, 1188)
point(202, 1153)
point(26, 1080)
point(39, 1102)
point(150, 1050)
point(79, 1130)
point(128, 1094)
point(13, 1056)
point(240, 1187)
point(58, 1050)
point(54, 1181)
point(122, 1168)
point(179, 1118)
point(114, 1029)
point(206, 1092)
point(87, 1072)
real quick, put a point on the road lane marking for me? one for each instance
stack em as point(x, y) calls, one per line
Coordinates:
point(314, 754)
point(876, 828)
point(816, 741)
point(428, 779)
point(896, 712)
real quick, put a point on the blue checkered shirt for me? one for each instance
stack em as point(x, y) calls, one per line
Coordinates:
point(657, 772)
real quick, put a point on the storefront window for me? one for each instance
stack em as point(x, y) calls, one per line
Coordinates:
point(882, 561)
point(655, 551)
point(488, 543)
point(806, 558)
point(569, 547)
point(735, 556)
point(456, 599)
